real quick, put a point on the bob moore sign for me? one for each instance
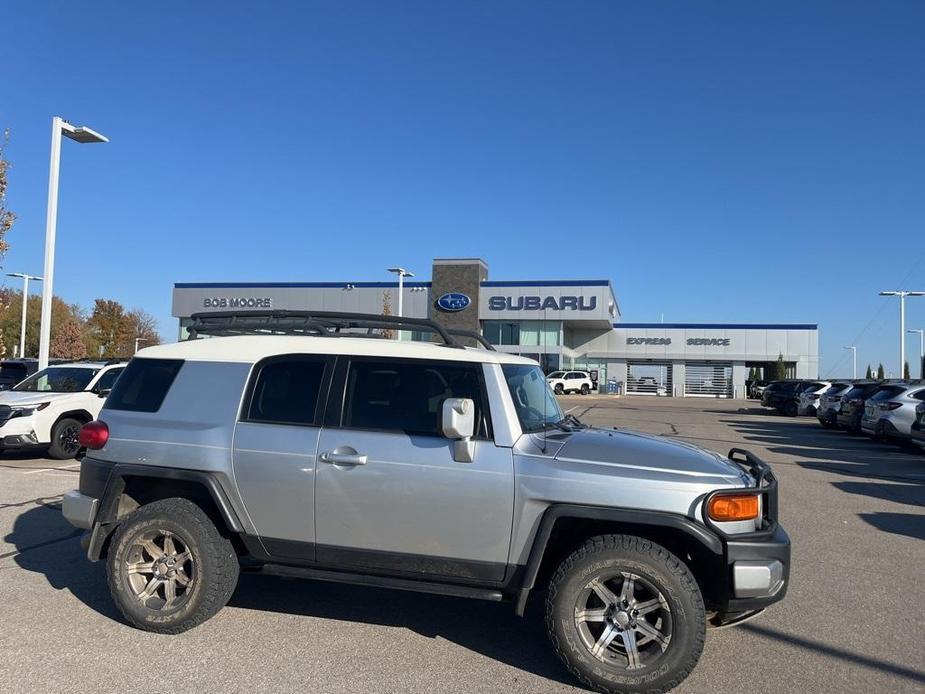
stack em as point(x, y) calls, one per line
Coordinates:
point(237, 302)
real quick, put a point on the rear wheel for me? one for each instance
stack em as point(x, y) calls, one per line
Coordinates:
point(625, 615)
point(585, 389)
point(789, 409)
point(65, 441)
point(169, 568)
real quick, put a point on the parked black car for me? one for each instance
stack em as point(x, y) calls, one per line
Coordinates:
point(12, 371)
point(918, 426)
point(852, 404)
point(783, 395)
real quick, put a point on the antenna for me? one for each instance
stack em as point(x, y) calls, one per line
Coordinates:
point(543, 328)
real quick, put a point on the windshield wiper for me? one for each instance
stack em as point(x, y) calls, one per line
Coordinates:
point(572, 421)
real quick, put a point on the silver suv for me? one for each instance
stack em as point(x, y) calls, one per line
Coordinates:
point(890, 412)
point(312, 451)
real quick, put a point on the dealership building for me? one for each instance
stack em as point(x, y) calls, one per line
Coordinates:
point(564, 325)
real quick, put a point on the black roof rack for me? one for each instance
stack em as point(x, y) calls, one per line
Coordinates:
point(315, 323)
point(478, 337)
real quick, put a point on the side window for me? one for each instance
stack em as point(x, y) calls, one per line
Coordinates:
point(920, 395)
point(286, 391)
point(408, 396)
point(143, 385)
point(108, 379)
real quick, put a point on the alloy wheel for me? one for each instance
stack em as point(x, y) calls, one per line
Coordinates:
point(160, 570)
point(69, 439)
point(623, 620)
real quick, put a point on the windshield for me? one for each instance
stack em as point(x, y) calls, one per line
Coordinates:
point(556, 374)
point(537, 408)
point(57, 379)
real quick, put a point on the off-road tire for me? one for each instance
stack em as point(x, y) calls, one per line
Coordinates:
point(603, 555)
point(216, 565)
point(57, 449)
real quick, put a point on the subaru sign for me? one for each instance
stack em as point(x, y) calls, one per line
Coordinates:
point(540, 303)
point(453, 302)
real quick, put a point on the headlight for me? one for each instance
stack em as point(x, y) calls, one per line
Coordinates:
point(26, 410)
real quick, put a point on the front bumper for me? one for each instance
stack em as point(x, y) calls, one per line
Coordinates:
point(757, 563)
point(759, 571)
point(18, 432)
point(79, 509)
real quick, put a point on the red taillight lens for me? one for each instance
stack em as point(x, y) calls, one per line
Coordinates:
point(94, 435)
point(891, 406)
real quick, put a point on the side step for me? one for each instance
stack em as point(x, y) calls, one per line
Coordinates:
point(384, 582)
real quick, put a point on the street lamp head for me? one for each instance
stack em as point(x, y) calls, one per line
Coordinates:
point(82, 134)
point(400, 271)
point(23, 275)
point(890, 293)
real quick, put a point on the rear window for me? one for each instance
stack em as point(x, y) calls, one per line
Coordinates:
point(143, 385)
point(886, 393)
point(13, 370)
point(286, 391)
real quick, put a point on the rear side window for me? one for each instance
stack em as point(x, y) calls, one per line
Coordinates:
point(408, 396)
point(885, 394)
point(143, 385)
point(286, 391)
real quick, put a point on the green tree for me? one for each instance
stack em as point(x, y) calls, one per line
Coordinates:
point(780, 368)
point(67, 342)
point(11, 319)
point(870, 373)
point(906, 371)
point(880, 372)
point(109, 330)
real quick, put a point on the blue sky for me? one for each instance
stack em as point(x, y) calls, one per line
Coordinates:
point(737, 162)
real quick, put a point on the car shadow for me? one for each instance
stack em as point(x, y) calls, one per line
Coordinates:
point(883, 471)
point(45, 543)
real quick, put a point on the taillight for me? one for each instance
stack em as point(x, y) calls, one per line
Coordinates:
point(94, 435)
point(890, 406)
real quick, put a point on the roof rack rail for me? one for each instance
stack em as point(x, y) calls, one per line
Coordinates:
point(315, 323)
point(472, 335)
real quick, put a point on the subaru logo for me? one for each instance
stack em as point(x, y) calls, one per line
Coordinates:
point(453, 302)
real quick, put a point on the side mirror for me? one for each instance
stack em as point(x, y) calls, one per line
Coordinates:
point(458, 423)
point(103, 392)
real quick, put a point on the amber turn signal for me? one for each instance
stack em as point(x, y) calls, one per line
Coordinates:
point(733, 507)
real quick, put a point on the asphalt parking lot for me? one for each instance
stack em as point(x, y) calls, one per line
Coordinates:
point(852, 621)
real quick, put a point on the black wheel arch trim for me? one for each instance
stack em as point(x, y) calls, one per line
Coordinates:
point(661, 519)
point(104, 522)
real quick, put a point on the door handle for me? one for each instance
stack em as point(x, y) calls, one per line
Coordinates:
point(341, 458)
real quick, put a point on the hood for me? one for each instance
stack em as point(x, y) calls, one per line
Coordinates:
point(13, 398)
point(632, 449)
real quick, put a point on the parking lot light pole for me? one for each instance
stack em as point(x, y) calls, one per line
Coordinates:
point(25, 305)
point(902, 294)
point(137, 340)
point(854, 355)
point(84, 135)
point(402, 274)
point(921, 350)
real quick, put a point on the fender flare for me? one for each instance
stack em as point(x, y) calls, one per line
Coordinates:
point(104, 523)
point(695, 531)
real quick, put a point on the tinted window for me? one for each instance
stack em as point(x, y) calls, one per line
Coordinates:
point(108, 379)
point(919, 395)
point(886, 394)
point(143, 385)
point(58, 379)
point(408, 395)
point(856, 392)
point(13, 370)
point(286, 391)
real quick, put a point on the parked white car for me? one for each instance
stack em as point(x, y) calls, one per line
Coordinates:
point(570, 382)
point(808, 400)
point(47, 409)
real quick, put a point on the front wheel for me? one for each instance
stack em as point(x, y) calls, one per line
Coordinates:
point(625, 615)
point(65, 441)
point(169, 568)
point(558, 390)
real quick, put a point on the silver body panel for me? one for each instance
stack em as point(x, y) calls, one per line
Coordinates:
point(406, 495)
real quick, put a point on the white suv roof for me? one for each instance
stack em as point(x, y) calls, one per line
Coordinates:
point(253, 348)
